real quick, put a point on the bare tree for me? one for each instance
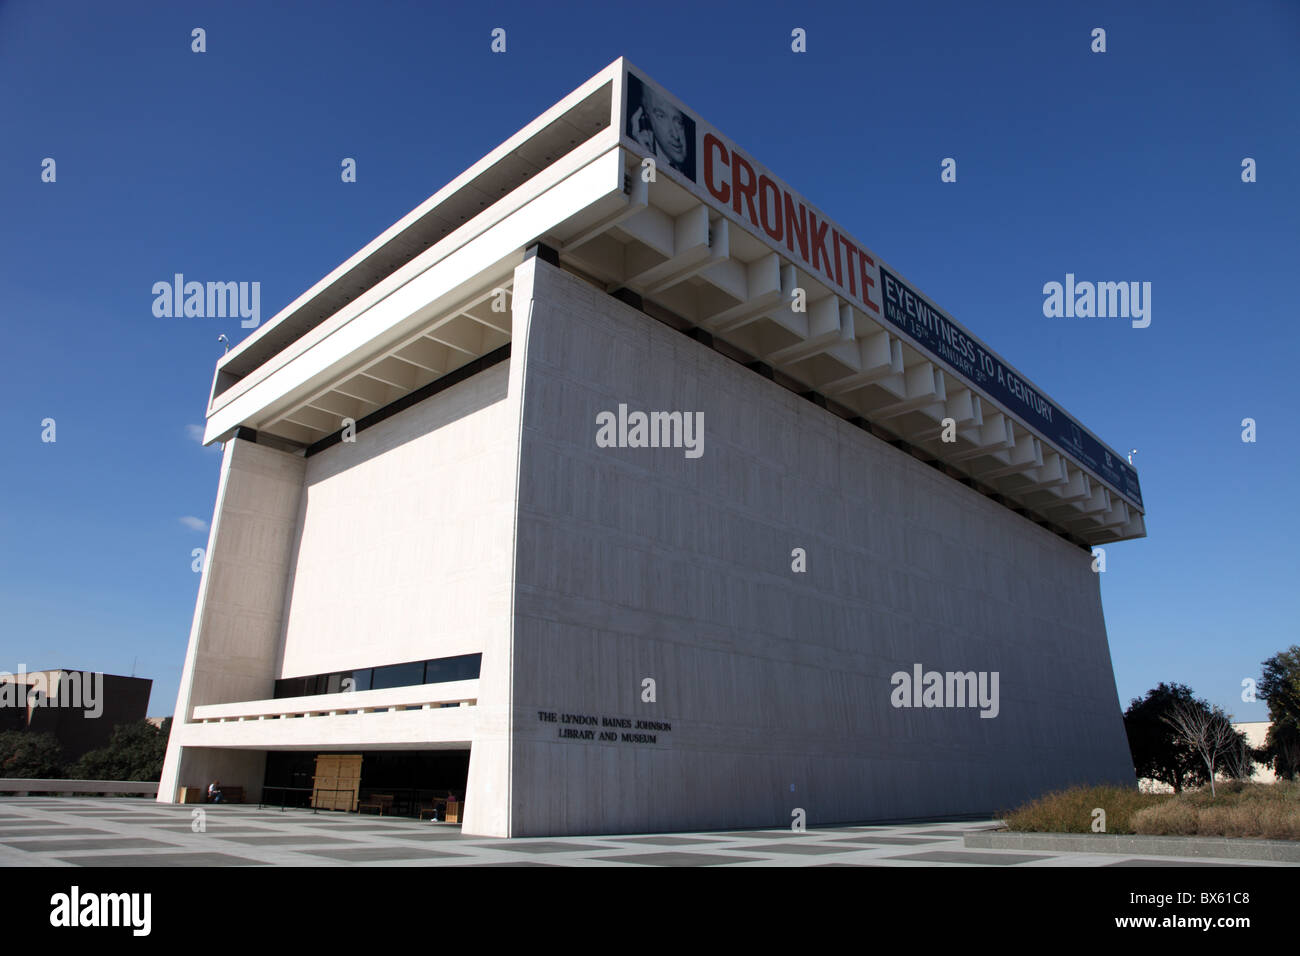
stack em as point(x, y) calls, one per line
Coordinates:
point(1207, 731)
point(1238, 761)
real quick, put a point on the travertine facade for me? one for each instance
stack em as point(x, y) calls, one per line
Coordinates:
point(809, 608)
point(635, 563)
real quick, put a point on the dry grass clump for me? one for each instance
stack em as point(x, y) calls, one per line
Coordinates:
point(1071, 811)
point(1268, 811)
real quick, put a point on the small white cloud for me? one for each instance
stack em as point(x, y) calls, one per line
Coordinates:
point(194, 524)
point(195, 434)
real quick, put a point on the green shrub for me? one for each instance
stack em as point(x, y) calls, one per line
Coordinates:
point(135, 751)
point(25, 754)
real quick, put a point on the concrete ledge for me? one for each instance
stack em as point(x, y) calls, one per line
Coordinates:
point(1221, 848)
point(21, 786)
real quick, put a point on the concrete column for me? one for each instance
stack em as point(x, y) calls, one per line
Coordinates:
point(238, 617)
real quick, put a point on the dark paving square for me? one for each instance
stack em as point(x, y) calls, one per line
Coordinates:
point(302, 821)
point(153, 810)
point(429, 837)
point(870, 829)
point(981, 859)
point(842, 863)
point(41, 821)
point(50, 831)
point(546, 846)
point(936, 833)
point(90, 843)
point(350, 820)
point(806, 848)
point(1140, 862)
point(890, 841)
point(512, 863)
point(377, 854)
point(366, 828)
point(161, 859)
point(754, 834)
point(219, 829)
point(277, 839)
point(324, 820)
point(141, 820)
point(682, 859)
point(663, 840)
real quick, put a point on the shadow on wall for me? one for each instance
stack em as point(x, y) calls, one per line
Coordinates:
point(443, 410)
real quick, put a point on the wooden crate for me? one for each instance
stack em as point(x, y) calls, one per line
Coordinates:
point(337, 781)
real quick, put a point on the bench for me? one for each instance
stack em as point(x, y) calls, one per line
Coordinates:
point(379, 802)
point(229, 794)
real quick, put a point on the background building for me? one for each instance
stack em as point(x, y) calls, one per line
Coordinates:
point(444, 540)
point(1256, 732)
point(80, 708)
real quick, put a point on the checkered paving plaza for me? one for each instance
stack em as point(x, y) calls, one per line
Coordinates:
point(55, 831)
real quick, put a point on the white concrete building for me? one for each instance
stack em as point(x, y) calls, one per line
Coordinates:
point(1256, 732)
point(437, 484)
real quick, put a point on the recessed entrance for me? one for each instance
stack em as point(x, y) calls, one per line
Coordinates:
point(407, 783)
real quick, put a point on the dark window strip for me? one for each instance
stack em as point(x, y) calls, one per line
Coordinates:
point(437, 670)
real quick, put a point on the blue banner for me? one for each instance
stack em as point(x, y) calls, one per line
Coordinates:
point(965, 355)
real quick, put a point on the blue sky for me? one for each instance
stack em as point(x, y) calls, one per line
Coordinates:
point(225, 165)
